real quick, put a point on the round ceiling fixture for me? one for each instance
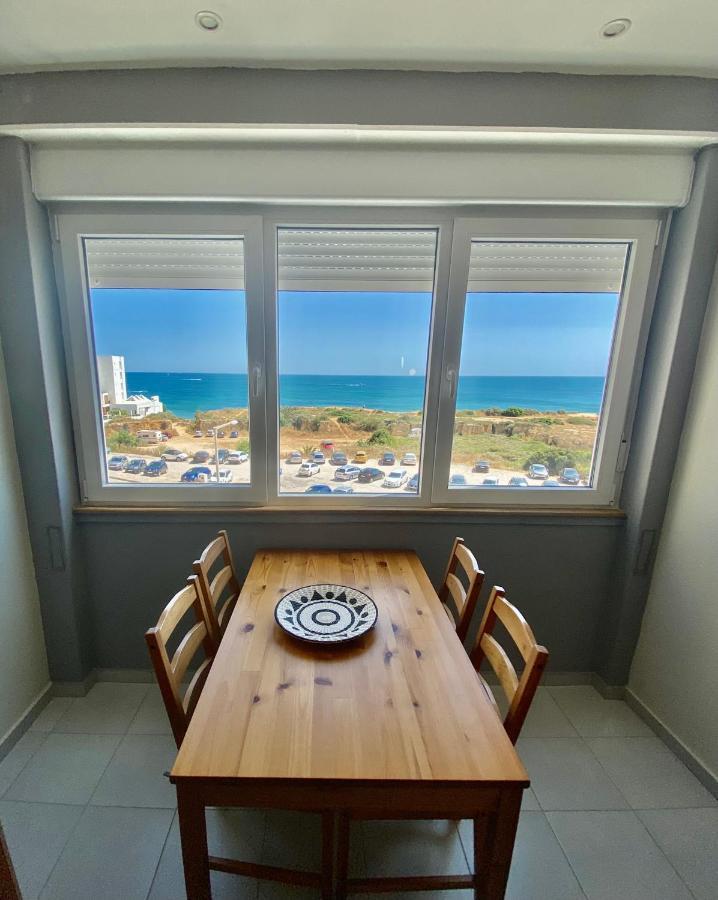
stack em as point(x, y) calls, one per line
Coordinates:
point(615, 28)
point(208, 20)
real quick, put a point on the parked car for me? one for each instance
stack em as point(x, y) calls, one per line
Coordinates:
point(155, 468)
point(117, 463)
point(307, 469)
point(518, 481)
point(481, 466)
point(135, 466)
point(396, 478)
point(198, 433)
point(234, 434)
point(338, 458)
point(343, 489)
point(201, 456)
point(360, 456)
point(318, 457)
point(318, 489)
point(536, 470)
point(210, 432)
point(387, 459)
point(457, 480)
point(346, 473)
point(570, 476)
point(370, 474)
point(172, 455)
point(327, 446)
point(225, 476)
point(551, 482)
point(490, 482)
point(220, 434)
point(235, 457)
point(408, 459)
point(197, 475)
point(222, 454)
point(294, 458)
point(413, 483)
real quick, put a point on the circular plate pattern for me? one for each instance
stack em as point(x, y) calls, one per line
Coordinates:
point(326, 613)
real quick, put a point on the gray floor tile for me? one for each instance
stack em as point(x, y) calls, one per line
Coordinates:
point(108, 708)
point(413, 848)
point(135, 776)
point(113, 853)
point(546, 719)
point(15, 761)
point(593, 716)
point(151, 716)
point(529, 800)
point(55, 709)
point(615, 857)
point(566, 775)
point(689, 838)
point(648, 774)
point(36, 834)
point(65, 769)
point(539, 868)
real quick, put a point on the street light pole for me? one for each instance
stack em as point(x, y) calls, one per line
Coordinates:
point(216, 449)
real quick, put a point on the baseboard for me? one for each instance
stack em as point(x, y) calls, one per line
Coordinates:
point(74, 688)
point(606, 690)
point(128, 676)
point(16, 731)
point(702, 772)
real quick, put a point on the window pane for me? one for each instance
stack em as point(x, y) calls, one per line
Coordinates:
point(170, 336)
point(354, 314)
point(536, 347)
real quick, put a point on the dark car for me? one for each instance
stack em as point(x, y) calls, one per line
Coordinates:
point(413, 483)
point(369, 474)
point(318, 489)
point(338, 458)
point(222, 455)
point(458, 480)
point(570, 476)
point(201, 456)
point(136, 466)
point(220, 434)
point(518, 481)
point(197, 475)
point(482, 466)
point(234, 434)
point(387, 459)
point(155, 468)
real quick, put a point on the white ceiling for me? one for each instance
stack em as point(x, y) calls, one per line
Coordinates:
point(541, 35)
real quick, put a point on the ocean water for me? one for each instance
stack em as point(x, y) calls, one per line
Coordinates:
point(185, 393)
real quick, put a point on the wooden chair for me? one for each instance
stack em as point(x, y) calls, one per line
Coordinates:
point(464, 599)
point(219, 592)
point(9, 887)
point(170, 672)
point(519, 691)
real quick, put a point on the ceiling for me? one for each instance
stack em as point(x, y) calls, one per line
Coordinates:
point(516, 35)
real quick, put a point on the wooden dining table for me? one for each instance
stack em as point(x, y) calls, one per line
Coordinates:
point(393, 725)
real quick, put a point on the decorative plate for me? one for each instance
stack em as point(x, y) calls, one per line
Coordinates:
point(326, 613)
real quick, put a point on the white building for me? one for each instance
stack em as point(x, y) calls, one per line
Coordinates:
point(137, 406)
point(111, 374)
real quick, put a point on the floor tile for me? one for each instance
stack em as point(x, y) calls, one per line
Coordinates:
point(689, 838)
point(55, 709)
point(413, 848)
point(566, 775)
point(65, 769)
point(135, 775)
point(293, 839)
point(594, 716)
point(16, 759)
point(546, 719)
point(108, 708)
point(648, 774)
point(113, 853)
point(539, 868)
point(529, 800)
point(36, 834)
point(614, 856)
point(151, 716)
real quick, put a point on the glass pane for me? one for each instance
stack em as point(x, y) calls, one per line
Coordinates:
point(169, 328)
point(354, 314)
point(536, 347)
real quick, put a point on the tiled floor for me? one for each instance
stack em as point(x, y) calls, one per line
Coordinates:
point(611, 814)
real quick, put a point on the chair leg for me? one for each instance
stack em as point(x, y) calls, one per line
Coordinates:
point(343, 826)
point(328, 855)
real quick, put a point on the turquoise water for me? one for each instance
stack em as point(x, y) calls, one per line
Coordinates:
point(185, 393)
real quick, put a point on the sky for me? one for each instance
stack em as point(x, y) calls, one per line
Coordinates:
point(352, 333)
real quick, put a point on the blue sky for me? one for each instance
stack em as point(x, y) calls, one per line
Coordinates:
point(354, 333)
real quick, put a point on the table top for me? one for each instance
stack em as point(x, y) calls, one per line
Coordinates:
point(400, 703)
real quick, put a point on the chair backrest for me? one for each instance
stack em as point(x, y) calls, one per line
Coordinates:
point(180, 704)
point(519, 691)
point(221, 590)
point(464, 598)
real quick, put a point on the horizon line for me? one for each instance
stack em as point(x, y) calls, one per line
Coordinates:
point(350, 374)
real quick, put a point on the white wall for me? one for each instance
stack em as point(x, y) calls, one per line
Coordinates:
point(675, 667)
point(23, 662)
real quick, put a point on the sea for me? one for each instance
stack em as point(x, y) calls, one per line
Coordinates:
point(187, 392)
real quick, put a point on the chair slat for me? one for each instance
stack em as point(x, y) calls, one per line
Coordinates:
point(501, 664)
point(467, 559)
point(213, 587)
point(226, 611)
point(516, 625)
point(187, 648)
point(465, 600)
point(212, 551)
point(220, 581)
point(174, 611)
point(456, 589)
point(194, 689)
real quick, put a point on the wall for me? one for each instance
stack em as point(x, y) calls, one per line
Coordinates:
point(675, 669)
point(23, 663)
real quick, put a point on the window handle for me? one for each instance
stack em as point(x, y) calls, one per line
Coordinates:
point(256, 381)
point(451, 378)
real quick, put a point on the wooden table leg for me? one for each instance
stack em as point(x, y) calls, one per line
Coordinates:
point(494, 837)
point(328, 822)
point(193, 831)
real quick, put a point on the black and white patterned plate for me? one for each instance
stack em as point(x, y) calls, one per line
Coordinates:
point(326, 613)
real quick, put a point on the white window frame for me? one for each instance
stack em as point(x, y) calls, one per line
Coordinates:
point(73, 227)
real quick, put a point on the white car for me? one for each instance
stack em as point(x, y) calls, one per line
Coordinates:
point(225, 476)
point(174, 456)
point(396, 478)
point(307, 469)
point(294, 458)
point(408, 459)
point(347, 473)
point(235, 457)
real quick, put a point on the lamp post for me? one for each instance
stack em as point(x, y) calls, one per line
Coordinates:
point(216, 449)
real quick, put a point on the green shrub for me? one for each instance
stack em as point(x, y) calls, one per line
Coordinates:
point(512, 412)
point(554, 460)
point(380, 436)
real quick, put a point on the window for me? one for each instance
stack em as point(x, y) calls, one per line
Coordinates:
point(444, 361)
